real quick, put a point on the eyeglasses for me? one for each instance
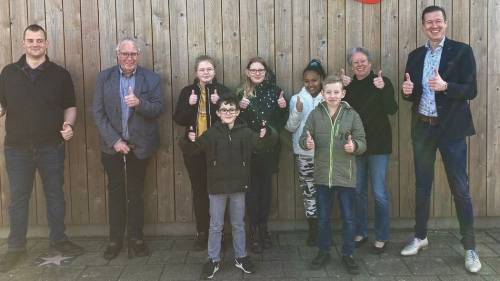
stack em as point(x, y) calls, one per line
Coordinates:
point(206, 70)
point(228, 111)
point(257, 71)
point(128, 55)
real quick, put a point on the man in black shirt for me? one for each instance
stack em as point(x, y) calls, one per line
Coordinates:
point(38, 99)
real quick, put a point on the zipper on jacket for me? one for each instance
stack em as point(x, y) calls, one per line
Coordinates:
point(350, 170)
point(333, 132)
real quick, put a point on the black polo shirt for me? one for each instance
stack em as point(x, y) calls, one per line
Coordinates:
point(35, 100)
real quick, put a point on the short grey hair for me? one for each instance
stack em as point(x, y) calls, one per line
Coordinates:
point(362, 50)
point(127, 39)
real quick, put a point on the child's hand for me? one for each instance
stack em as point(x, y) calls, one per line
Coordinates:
point(191, 134)
point(349, 146)
point(214, 98)
point(299, 106)
point(281, 101)
point(193, 98)
point(309, 141)
point(244, 102)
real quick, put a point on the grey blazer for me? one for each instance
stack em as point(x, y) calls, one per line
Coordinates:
point(142, 122)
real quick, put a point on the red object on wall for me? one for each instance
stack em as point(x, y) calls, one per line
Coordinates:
point(369, 1)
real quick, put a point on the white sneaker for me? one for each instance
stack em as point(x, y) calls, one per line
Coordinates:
point(414, 246)
point(472, 263)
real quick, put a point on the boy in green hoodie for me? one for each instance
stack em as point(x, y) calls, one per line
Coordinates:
point(335, 131)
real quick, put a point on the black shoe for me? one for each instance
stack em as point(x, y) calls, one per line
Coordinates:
point(265, 237)
point(313, 232)
point(201, 241)
point(361, 242)
point(255, 242)
point(66, 248)
point(10, 259)
point(380, 250)
point(138, 248)
point(245, 264)
point(350, 265)
point(209, 269)
point(321, 259)
point(113, 250)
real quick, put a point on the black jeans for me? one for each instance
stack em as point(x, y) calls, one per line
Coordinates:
point(258, 198)
point(197, 169)
point(120, 191)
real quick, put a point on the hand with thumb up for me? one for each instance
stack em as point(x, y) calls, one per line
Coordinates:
point(193, 98)
point(349, 145)
point(436, 83)
point(309, 141)
point(379, 81)
point(214, 98)
point(407, 85)
point(299, 106)
point(191, 134)
point(346, 80)
point(281, 100)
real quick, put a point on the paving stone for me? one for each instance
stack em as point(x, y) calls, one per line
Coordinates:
point(468, 277)
point(167, 257)
point(301, 269)
point(122, 259)
point(184, 245)
point(457, 264)
point(416, 278)
point(494, 246)
point(492, 278)
point(494, 233)
point(427, 266)
point(371, 278)
point(181, 272)
point(384, 266)
point(493, 262)
point(138, 272)
point(198, 257)
point(60, 273)
point(92, 245)
point(335, 269)
point(401, 236)
point(159, 244)
point(281, 253)
point(482, 250)
point(307, 253)
point(22, 274)
point(269, 270)
point(342, 278)
point(480, 236)
point(292, 238)
point(101, 273)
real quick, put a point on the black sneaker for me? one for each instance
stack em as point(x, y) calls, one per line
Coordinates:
point(10, 259)
point(209, 269)
point(245, 264)
point(201, 241)
point(350, 264)
point(321, 259)
point(66, 248)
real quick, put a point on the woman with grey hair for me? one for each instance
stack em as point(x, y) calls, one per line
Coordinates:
point(372, 96)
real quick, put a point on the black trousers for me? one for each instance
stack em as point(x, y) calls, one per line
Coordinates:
point(258, 199)
point(119, 191)
point(197, 169)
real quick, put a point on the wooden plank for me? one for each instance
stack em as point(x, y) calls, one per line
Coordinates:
point(300, 50)
point(36, 12)
point(180, 69)
point(5, 58)
point(107, 33)
point(213, 40)
point(319, 31)
point(336, 36)
point(231, 43)
point(196, 33)
point(407, 35)
point(286, 178)
point(248, 32)
point(478, 152)
point(143, 35)
point(265, 31)
point(354, 25)
point(493, 163)
point(96, 184)
point(125, 19)
point(77, 145)
point(389, 64)
point(165, 155)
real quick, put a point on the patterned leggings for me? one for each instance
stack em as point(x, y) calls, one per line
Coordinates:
point(305, 165)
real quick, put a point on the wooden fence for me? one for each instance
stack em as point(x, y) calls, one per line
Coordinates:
point(82, 35)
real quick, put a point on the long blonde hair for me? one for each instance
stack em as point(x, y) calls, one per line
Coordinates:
point(248, 86)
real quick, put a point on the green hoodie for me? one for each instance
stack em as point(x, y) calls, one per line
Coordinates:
point(332, 165)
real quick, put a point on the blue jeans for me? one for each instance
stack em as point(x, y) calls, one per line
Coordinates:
point(373, 167)
point(346, 197)
point(427, 139)
point(21, 164)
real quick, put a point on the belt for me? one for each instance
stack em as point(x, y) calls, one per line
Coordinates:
point(431, 120)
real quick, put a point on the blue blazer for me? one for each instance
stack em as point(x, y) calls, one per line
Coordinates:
point(458, 68)
point(142, 122)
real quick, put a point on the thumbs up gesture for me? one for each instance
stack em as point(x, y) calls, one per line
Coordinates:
point(299, 106)
point(193, 98)
point(191, 134)
point(349, 145)
point(407, 85)
point(309, 141)
point(281, 100)
point(244, 102)
point(214, 98)
point(130, 99)
point(436, 83)
point(379, 81)
point(346, 80)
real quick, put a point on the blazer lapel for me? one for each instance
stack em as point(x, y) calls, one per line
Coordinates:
point(445, 56)
point(114, 94)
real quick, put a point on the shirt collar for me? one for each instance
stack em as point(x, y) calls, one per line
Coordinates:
point(41, 67)
point(122, 74)
point(441, 44)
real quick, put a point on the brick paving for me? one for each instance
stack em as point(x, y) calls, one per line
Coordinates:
point(173, 258)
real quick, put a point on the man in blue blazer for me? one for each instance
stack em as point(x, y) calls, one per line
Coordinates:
point(126, 107)
point(440, 79)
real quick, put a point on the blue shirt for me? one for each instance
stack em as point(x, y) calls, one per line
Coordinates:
point(427, 104)
point(126, 82)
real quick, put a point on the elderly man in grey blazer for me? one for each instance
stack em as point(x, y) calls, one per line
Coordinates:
point(126, 107)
